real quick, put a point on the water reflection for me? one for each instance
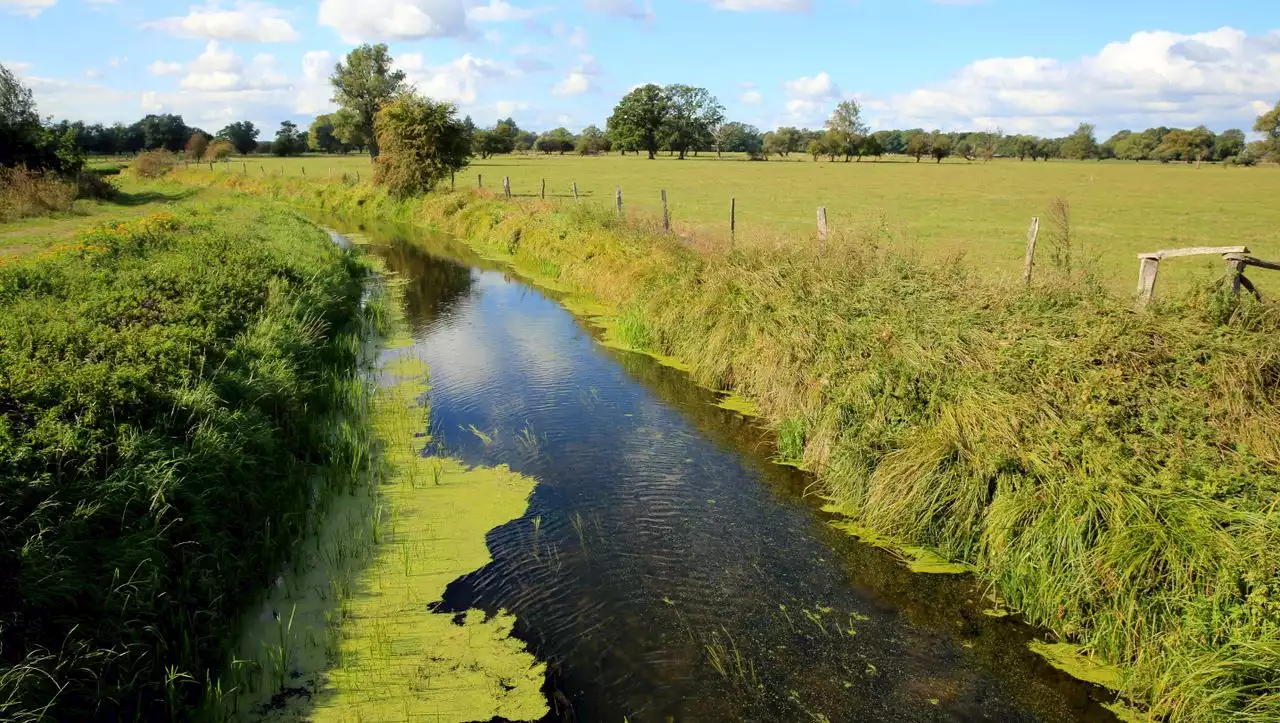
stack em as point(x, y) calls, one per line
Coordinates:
point(665, 569)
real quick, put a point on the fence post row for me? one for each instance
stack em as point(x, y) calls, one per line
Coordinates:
point(666, 217)
point(1032, 234)
point(822, 229)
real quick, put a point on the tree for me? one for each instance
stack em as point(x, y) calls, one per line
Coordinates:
point(639, 118)
point(348, 131)
point(197, 145)
point(1268, 124)
point(1081, 144)
point(505, 133)
point(1228, 144)
point(422, 142)
point(940, 146)
point(559, 141)
point(845, 129)
point(289, 140)
point(164, 131)
point(22, 138)
point(220, 149)
point(692, 113)
point(735, 137)
point(1176, 145)
point(918, 146)
point(320, 136)
point(814, 149)
point(873, 147)
point(243, 136)
point(526, 139)
point(363, 84)
point(592, 141)
point(888, 142)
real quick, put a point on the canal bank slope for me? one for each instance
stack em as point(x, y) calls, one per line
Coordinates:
point(1113, 475)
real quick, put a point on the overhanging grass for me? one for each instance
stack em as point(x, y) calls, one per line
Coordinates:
point(1114, 475)
point(171, 392)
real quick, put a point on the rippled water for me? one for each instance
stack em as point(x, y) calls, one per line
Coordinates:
point(666, 569)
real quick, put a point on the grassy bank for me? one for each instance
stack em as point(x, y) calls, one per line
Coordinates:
point(1114, 475)
point(1118, 209)
point(171, 396)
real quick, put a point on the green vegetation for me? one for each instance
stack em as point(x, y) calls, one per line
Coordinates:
point(422, 143)
point(172, 392)
point(1112, 474)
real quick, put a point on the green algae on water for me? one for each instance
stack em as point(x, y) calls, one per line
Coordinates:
point(397, 659)
point(735, 402)
point(919, 559)
point(1068, 658)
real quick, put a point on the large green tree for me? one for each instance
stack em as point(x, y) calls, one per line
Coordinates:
point(639, 118)
point(423, 142)
point(320, 136)
point(165, 131)
point(22, 138)
point(289, 140)
point(1081, 144)
point(363, 83)
point(243, 135)
point(1268, 124)
point(693, 113)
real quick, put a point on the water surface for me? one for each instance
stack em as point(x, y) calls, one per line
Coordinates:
point(666, 569)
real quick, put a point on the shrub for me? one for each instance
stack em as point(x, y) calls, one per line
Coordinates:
point(220, 149)
point(197, 146)
point(153, 164)
point(33, 193)
point(421, 143)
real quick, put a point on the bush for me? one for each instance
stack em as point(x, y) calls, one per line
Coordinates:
point(153, 164)
point(169, 390)
point(220, 150)
point(421, 143)
point(33, 193)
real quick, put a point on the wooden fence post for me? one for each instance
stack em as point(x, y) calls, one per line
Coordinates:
point(1235, 273)
point(1032, 234)
point(263, 169)
point(733, 218)
point(822, 229)
point(543, 193)
point(304, 170)
point(451, 186)
point(1147, 272)
point(479, 180)
point(618, 199)
point(210, 165)
point(666, 217)
point(575, 190)
point(357, 176)
point(245, 168)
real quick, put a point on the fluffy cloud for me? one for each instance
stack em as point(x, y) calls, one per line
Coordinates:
point(160, 67)
point(575, 83)
point(1153, 78)
point(750, 96)
point(360, 20)
point(30, 8)
point(812, 88)
point(76, 100)
point(93, 73)
point(457, 81)
point(781, 6)
point(505, 108)
point(315, 94)
point(500, 11)
point(249, 21)
point(222, 70)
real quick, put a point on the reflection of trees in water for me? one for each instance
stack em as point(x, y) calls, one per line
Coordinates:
point(433, 285)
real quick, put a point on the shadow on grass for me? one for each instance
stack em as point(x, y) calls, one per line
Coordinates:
point(143, 198)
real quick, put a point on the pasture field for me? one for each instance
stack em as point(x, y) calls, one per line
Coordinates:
point(982, 210)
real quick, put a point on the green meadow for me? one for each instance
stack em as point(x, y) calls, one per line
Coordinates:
point(977, 211)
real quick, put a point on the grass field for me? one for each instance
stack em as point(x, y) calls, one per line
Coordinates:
point(1118, 209)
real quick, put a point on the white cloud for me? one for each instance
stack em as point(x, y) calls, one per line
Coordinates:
point(782, 6)
point(249, 21)
point(812, 88)
point(501, 11)
point(532, 58)
point(160, 67)
point(93, 73)
point(29, 8)
point(622, 8)
point(222, 70)
point(1153, 78)
point(751, 97)
point(314, 92)
point(564, 119)
point(506, 108)
point(575, 83)
point(360, 20)
point(78, 101)
point(457, 81)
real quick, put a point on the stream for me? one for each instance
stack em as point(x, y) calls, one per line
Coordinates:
point(666, 570)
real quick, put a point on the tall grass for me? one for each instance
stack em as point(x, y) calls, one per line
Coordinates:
point(26, 193)
point(170, 391)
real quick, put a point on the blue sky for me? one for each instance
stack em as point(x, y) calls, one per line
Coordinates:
point(1039, 67)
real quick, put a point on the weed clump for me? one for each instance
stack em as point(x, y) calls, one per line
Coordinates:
point(168, 393)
